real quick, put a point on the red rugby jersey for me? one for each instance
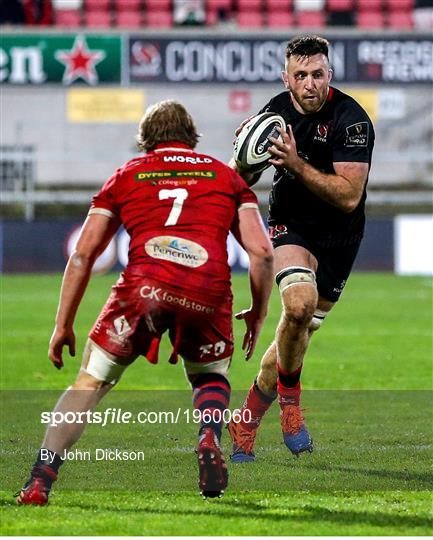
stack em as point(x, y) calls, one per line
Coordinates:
point(178, 207)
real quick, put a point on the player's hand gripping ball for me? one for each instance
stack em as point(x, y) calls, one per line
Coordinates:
point(251, 147)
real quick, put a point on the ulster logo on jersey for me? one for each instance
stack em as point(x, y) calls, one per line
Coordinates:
point(177, 250)
point(322, 133)
point(277, 231)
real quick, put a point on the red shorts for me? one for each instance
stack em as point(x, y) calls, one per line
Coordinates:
point(140, 310)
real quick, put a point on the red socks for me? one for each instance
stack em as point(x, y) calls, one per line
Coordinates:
point(289, 386)
point(257, 403)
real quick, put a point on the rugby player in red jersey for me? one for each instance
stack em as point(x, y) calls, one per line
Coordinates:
point(178, 207)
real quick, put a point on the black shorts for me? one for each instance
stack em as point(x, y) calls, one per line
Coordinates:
point(334, 264)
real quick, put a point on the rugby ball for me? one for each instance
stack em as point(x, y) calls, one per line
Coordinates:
point(251, 147)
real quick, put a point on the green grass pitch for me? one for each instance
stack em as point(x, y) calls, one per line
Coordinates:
point(368, 400)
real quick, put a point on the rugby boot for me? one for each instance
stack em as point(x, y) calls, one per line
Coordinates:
point(243, 438)
point(213, 475)
point(295, 434)
point(36, 490)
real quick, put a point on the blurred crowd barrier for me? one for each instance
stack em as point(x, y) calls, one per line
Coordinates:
point(390, 244)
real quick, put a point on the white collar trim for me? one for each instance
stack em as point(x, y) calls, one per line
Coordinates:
point(174, 149)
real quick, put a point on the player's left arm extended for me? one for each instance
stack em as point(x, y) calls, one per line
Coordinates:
point(343, 189)
point(94, 237)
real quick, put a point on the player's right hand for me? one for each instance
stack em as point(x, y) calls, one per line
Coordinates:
point(59, 339)
point(254, 324)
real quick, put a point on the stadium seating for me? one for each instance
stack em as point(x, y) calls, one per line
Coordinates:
point(159, 18)
point(398, 6)
point(310, 13)
point(68, 17)
point(400, 20)
point(400, 13)
point(96, 5)
point(340, 12)
point(219, 4)
point(280, 19)
point(339, 5)
point(158, 5)
point(309, 5)
point(369, 6)
point(249, 13)
point(311, 19)
point(127, 5)
point(366, 14)
point(278, 5)
point(373, 19)
point(97, 19)
point(212, 18)
point(423, 18)
point(158, 13)
point(128, 19)
point(218, 11)
point(249, 5)
point(250, 19)
point(128, 13)
point(67, 4)
point(279, 13)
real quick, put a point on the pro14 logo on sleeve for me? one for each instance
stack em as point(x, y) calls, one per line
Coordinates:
point(357, 135)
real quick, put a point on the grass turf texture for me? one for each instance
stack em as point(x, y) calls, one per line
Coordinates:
point(377, 338)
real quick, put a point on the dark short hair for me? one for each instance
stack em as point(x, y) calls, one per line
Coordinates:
point(164, 122)
point(307, 46)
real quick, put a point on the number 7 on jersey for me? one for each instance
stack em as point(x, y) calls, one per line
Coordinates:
point(179, 195)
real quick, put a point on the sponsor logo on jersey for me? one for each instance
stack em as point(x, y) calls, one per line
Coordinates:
point(175, 183)
point(177, 250)
point(151, 175)
point(322, 133)
point(146, 176)
point(357, 135)
point(159, 295)
point(187, 159)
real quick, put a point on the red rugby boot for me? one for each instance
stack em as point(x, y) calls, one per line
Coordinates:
point(213, 475)
point(37, 488)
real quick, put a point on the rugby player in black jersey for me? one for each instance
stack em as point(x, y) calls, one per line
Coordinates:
point(316, 219)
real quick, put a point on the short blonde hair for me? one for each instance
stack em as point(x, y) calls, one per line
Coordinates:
point(166, 121)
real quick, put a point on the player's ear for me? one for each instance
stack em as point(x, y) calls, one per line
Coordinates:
point(331, 73)
point(285, 79)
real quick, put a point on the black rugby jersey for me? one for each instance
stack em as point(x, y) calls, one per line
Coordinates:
point(340, 131)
